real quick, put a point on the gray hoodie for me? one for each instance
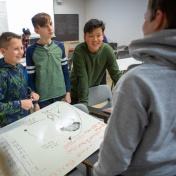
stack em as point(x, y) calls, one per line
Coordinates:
point(140, 138)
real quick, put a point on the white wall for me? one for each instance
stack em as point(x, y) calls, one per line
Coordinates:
point(123, 18)
point(16, 15)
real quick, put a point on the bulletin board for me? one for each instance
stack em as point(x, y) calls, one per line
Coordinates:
point(51, 141)
point(66, 27)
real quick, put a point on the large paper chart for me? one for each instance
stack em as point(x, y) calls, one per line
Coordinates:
point(52, 141)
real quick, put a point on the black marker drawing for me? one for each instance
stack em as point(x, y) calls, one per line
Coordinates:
point(63, 120)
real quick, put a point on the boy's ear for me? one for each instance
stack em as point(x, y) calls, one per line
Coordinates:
point(84, 37)
point(36, 31)
point(2, 50)
point(160, 20)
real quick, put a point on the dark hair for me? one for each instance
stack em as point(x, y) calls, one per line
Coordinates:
point(26, 31)
point(166, 6)
point(6, 37)
point(93, 24)
point(41, 19)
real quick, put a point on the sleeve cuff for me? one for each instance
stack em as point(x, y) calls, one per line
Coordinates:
point(35, 102)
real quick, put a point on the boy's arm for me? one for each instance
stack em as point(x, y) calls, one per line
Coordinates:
point(113, 67)
point(31, 94)
point(7, 107)
point(10, 107)
point(67, 80)
point(81, 76)
point(34, 96)
point(67, 97)
point(66, 74)
point(30, 66)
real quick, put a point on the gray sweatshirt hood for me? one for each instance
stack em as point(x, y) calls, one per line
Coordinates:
point(140, 137)
point(155, 46)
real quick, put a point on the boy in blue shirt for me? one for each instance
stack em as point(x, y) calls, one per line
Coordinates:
point(47, 65)
point(15, 98)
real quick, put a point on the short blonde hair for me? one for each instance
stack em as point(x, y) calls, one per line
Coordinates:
point(6, 37)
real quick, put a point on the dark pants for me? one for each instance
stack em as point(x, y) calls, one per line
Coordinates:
point(74, 100)
point(103, 81)
point(50, 101)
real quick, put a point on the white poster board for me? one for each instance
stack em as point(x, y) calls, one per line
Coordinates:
point(126, 62)
point(51, 141)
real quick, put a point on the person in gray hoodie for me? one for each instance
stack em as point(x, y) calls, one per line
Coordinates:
point(140, 138)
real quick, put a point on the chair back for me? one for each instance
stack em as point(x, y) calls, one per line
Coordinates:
point(123, 54)
point(82, 107)
point(100, 94)
point(113, 45)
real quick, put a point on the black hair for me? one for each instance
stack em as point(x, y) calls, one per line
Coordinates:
point(93, 24)
point(166, 6)
point(26, 31)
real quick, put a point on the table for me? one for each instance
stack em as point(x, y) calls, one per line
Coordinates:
point(23, 61)
point(51, 141)
point(124, 63)
point(98, 112)
point(1, 56)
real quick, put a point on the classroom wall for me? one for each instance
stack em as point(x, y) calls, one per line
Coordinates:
point(123, 18)
point(16, 15)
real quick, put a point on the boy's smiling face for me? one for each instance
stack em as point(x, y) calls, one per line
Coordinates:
point(13, 53)
point(94, 39)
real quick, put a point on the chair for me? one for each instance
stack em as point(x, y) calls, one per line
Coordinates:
point(121, 47)
point(113, 45)
point(122, 54)
point(99, 95)
point(82, 107)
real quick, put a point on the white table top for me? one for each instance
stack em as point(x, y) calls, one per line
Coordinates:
point(1, 55)
point(51, 141)
point(124, 63)
point(23, 61)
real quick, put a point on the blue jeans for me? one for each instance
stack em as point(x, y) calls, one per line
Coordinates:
point(50, 101)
